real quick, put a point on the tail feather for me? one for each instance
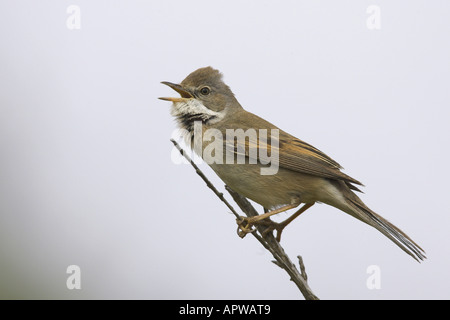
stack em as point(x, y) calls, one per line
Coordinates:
point(355, 207)
point(389, 230)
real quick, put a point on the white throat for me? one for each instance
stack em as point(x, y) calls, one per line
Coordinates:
point(195, 108)
point(190, 110)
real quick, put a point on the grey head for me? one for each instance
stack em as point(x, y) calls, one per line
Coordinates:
point(204, 97)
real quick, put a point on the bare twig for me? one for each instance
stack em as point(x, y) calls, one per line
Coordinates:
point(202, 175)
point(266, 239)
point(273, 246)
point(302, 268)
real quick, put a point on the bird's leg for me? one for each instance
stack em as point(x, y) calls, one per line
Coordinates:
point(245, 223)
point(280, 226)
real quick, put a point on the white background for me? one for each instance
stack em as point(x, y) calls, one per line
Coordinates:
point(86, 175)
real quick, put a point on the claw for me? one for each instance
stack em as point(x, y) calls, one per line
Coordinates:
point(244, 226)
point(271, 225)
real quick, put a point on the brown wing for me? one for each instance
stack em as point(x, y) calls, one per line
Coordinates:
point(294, 154)
point(300, 156)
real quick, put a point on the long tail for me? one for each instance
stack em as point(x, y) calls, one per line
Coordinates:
point(360, 211)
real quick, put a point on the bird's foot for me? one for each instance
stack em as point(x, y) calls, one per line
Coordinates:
point(245, 225)
point(270, 226)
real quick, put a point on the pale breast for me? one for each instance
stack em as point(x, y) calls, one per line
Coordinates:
point(268, 190)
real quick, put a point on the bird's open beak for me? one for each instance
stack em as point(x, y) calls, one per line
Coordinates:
point(184, 94)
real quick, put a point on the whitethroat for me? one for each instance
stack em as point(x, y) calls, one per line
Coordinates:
point(303, 174)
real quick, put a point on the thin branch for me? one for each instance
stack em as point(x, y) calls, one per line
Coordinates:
point(272, 245)
point(266, 239)
point(302, 268)
point(202, 175)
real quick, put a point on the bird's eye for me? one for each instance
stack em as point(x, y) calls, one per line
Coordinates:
point(205, 91)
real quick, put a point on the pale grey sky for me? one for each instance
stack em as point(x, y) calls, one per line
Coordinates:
point(86, 176)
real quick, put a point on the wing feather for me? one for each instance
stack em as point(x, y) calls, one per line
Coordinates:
point(294, 154)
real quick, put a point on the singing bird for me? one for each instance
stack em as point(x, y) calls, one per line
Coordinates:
point(305, 175)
